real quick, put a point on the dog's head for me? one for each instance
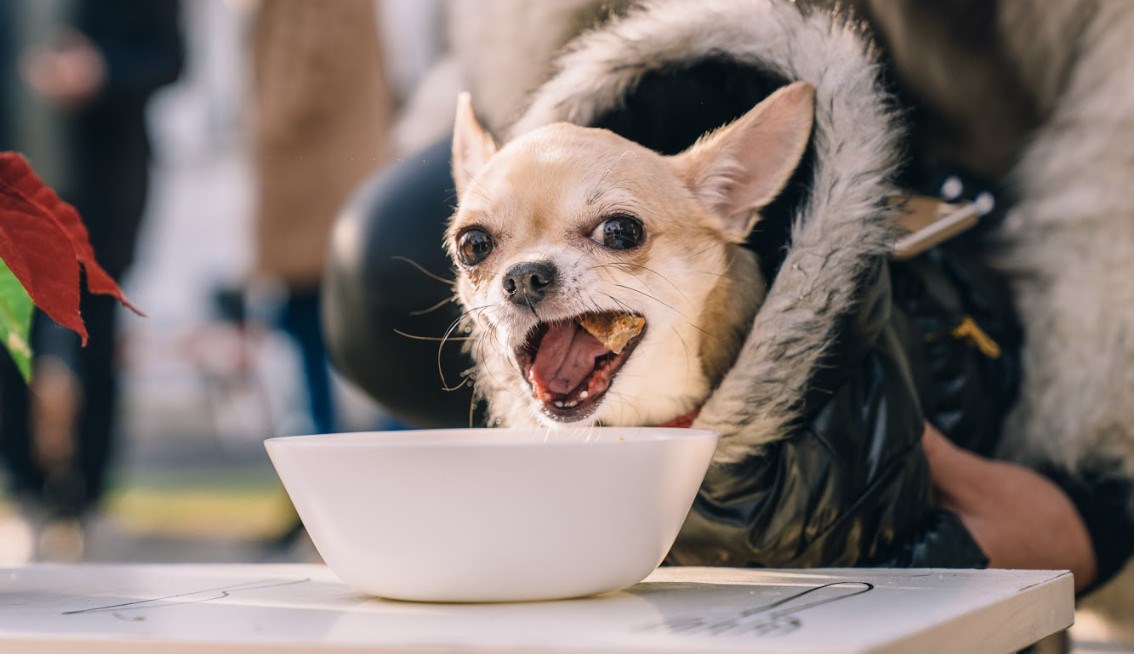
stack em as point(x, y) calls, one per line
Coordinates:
point(567, 234)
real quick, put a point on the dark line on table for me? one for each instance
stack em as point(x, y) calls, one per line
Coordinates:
point(223, 592)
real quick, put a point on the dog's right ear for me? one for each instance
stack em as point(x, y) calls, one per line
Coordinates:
point(473, 146)
point(738, 169)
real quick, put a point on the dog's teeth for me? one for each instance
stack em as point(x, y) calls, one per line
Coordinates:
point(559, 404)
point(572, 403)
point(584, 395)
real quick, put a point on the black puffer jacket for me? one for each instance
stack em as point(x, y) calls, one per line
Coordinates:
point(849, 485)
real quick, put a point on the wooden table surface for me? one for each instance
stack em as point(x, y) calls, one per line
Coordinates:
point(92, 609)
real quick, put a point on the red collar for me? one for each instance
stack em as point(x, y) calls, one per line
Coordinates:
point(683, 421)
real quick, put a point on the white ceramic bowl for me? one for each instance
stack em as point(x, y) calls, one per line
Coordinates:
point(492, 515)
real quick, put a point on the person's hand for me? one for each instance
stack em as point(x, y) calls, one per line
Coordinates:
point(70, 73)
point(1018, 517)
point(55, 401)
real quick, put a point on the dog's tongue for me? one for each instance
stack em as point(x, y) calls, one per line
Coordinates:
point(565, 357)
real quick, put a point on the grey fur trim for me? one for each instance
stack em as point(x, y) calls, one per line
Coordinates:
point(841, 231)
point(500, 50)
point(1069, 251)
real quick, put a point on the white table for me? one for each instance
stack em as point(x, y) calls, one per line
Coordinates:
point(96, 609)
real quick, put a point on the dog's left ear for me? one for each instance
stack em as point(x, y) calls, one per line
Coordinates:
point(741, 167)
point(473, 146)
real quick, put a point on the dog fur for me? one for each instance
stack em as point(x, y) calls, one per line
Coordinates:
point(541, 198)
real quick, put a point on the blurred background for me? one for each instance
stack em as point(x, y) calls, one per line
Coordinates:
point(215, 367)
point(175, 116)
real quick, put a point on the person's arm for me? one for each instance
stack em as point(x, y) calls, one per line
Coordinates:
point(1017, 516)
point(118, 51)
point(141, 43)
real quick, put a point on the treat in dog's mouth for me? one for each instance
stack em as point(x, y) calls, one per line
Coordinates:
point(571, 363)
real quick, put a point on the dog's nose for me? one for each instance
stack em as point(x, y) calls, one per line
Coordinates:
point(527, 283)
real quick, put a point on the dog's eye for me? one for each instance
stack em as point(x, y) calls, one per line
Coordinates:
point(473, 246)
point(619, 232)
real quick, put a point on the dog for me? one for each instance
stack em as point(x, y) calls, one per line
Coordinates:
point(604, 283)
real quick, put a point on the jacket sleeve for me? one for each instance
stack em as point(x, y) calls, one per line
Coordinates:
point(850, 484)
point(141, 41)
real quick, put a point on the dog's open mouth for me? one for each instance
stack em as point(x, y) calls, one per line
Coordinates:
point(571, 363)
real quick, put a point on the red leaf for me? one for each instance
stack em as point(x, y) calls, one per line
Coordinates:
point(43, 241)
point(40, 255)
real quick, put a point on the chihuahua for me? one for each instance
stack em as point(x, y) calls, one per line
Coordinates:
point(603, 282)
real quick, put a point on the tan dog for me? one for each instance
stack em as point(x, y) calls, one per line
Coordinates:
point(603, 281)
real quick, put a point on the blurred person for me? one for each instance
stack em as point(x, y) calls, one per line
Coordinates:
point(57, 437)
point(7, 66)
point(323, 109)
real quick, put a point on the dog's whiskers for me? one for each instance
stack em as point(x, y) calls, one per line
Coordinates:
point(433, 308)
point(493, 340)
point(422, 269)
point(627, 265)
point(441, 346)
point(620, 303)
point(596, 189)
point(671, 308)
point(440, 339)
point(727, 276)
point(698, 253)
point(631, 402)
point(684, 346)
point(472, 410)
point(435, 339)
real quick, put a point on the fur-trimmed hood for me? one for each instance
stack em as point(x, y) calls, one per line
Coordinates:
point(841, 228)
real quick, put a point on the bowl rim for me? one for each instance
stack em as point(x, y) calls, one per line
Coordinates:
point(408, 438)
